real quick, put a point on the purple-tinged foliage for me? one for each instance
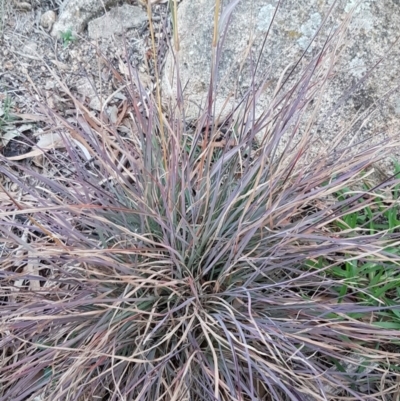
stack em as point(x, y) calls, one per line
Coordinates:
point(174, 264)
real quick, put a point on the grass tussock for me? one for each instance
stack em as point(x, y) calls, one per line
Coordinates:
point(181, 260)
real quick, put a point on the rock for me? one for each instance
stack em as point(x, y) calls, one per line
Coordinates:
point(75, 15)
point(372, 30)
point(85, 88)
point(116, 21)
point(48, 19)
point(8, 65)
point(23, 5)
point(30, 48)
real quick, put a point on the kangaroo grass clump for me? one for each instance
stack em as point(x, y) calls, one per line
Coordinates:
point(166, 259)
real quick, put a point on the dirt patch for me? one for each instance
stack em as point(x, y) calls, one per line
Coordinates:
point(34, 65)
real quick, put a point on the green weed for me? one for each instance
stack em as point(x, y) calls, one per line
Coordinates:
point(5, 112)
point(67, 37)
point(370, 281)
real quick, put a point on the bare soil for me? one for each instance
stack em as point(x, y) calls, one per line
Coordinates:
point(33, 64)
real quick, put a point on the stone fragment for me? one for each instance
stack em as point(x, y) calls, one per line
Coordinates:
point(116, 21)
point(30, 48)
point(48, 19)
point(75, 15)
point(23, 5)
point(85, 88)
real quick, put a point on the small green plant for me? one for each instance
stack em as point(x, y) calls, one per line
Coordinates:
point(370, 280)
point(5, 112)
point(67, 37)
point(382, 215)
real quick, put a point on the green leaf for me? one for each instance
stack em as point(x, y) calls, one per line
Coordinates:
point(388, 325)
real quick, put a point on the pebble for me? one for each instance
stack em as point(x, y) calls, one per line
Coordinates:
point(49, 85)
point(30, 48)
point(48, 19)
point(9, 65)
point(23, 6)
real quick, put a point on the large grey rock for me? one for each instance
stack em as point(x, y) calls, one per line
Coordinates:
point(116, 21)
point(373, 28)
point(75, 14)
